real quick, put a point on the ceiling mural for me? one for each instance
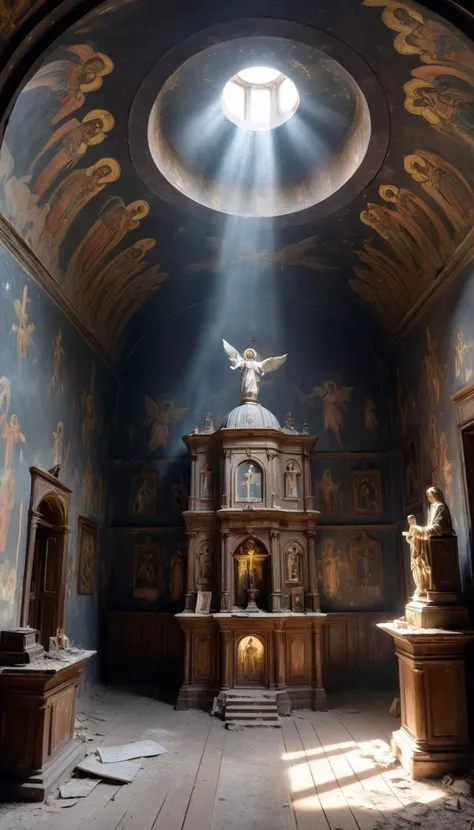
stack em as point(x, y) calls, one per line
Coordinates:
point(124, 255)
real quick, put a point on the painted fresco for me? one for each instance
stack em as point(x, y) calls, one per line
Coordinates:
point(69, 188)
point(351, 445)
point(433, 361)
point(45, 367)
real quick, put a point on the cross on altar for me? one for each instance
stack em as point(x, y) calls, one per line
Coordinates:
point(249, 477)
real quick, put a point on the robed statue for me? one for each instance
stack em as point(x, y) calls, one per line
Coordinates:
point(439, 523)
point(252, 369)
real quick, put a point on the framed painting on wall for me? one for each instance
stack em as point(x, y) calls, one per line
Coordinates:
point(147, 575)
point(367, 492)
point(367, 570)
point(143, 494)
point(87, 543)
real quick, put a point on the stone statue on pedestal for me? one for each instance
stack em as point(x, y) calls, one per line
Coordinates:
point(439, 524)
point(252, 369)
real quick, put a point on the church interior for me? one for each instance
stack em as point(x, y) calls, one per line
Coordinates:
point(236, 415)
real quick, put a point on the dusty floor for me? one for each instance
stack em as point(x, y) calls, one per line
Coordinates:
point(321, 771)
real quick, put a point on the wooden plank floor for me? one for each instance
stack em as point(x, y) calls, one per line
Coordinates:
point(321, 771)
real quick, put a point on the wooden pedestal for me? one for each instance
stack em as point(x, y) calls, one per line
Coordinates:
point(37, 711)
point(288, 658)
point(433, 738)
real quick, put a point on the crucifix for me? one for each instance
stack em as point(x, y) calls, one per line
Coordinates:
point(249, 477)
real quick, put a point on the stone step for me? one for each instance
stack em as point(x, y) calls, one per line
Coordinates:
point(264, 701)
point(251, 715)
point(250, 704)
point(246, 724)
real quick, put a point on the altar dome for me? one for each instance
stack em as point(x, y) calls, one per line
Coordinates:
point(250, 416)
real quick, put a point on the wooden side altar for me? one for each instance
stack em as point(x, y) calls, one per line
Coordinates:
point(430, 642)
point(37, 710)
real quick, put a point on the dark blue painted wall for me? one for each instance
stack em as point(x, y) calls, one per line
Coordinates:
point(181, 360)
point(430, 371)
point(77, 390)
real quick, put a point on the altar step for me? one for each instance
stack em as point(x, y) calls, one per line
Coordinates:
point(250, 710)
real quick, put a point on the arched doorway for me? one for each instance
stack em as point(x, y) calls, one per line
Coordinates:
point(44, 586)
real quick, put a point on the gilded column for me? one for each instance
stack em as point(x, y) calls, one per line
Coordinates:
point(276, 569)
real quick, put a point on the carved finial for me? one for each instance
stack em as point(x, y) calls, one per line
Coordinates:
point(289, 422)
point(54, 471)
point(305, 428)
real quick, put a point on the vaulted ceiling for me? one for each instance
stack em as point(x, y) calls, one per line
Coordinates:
point(123, 242)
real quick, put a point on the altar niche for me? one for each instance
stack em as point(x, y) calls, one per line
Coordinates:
point(250, 662)
point(249, 482)
point(251, 576)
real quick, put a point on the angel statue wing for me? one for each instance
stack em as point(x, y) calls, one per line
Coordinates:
point(234, 356)
point(272, 363)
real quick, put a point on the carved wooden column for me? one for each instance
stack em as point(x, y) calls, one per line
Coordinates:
point(276, 569)
point(187, 658)
point(189, 597)
point(319, 692)
point(34, 519)
point(313, 598)
point(226, 659)
point(279, 656)
point(195, 494)
point(226, 572)
point(226, 499)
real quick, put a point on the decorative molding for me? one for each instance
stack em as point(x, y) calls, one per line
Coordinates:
point(457, 262)
point(464, 400)
point(14, 245)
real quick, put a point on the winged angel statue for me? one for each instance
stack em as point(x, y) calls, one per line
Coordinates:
point(252, 369)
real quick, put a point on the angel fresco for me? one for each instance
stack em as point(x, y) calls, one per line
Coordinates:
point(57, 357)
point(252, 369)
point(335, 399)
point(70, 79)
point(69, 143)
point(114, 221)
point(328, 492)
point(160, 414)
point(116, 273)
point(432, 40)
point(370, 414)
point(445, 98)
point(391, 227)
point(124, 307)
point(423, 223)
point(296, 254)
point(13, 14)
point(432, 368)
point(74, 192)
point(446, 186)
point(462, 363)
point(23, 329)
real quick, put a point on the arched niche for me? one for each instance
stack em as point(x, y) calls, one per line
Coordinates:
point(259, 563)
point(44, 580)
point(249, 481)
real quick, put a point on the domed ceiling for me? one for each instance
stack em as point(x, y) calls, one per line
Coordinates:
point(376, 183)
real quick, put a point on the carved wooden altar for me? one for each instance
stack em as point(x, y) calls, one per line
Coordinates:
point(251, 527)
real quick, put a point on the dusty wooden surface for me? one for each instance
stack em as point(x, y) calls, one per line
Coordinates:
point(321, 771)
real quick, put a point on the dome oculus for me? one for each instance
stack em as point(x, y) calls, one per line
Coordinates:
point(259, 98)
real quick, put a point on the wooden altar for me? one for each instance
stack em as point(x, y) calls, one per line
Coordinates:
point(38, 709)
point(251, 527)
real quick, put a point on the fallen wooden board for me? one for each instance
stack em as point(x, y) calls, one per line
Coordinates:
point(124, 771)
point(78, 787)
point(138, 749)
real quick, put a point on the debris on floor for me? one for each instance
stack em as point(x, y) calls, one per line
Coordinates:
point(138, 749)
point(124, 771)
point(78, 787)
point(378, 752)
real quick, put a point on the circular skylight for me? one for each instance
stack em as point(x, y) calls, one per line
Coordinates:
point(259, 98)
